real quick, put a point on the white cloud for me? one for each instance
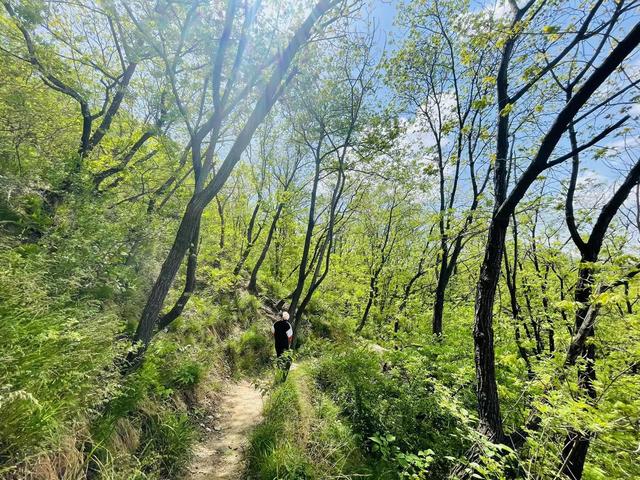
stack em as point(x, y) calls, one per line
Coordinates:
point(501, 9)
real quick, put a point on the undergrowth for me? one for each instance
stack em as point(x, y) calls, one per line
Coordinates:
point(303, 436)
point(352, 411)
point(65, 410)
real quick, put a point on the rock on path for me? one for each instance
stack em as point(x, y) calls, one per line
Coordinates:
point(221, 454)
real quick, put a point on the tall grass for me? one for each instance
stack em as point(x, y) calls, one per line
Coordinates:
point(65, 411)
point(56, 356)
point(303, 436)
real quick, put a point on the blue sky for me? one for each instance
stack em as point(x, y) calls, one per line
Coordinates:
point(384, 12)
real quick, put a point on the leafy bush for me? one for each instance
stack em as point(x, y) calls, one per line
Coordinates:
point(273, 288)
point(247, 307)
point(186, 374)
point(401, 414)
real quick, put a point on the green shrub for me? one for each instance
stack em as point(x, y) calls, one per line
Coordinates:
point(286, 463)
point(145, 403)
point(273, 288)
point(321, 328)
point(187, 374)
point(274, 450)
point(247, 307)
point(403, 403)
point(251, 353)
point(354, 377)
point(221, 322)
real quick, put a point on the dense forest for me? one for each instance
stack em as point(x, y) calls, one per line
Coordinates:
point(444, 195)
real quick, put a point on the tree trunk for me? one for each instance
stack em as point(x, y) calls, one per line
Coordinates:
point(486, 386)
point(190, 282)
point(576, 445)
point(484, 355)
point(220, 206)
point(250, 239)
point(438, 304)
point(253, 281)
point(302, 269)
point(408, 290)
point(148, 319)
point(511, 277)
point(316, 281)
point(373, 291)
point(323, 252)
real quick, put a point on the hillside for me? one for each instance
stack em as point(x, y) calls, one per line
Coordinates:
point(434, 203)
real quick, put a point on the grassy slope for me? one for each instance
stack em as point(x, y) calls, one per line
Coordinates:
point(77, 416)
point(303, 436)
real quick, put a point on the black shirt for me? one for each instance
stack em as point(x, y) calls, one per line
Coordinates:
point(281, 332)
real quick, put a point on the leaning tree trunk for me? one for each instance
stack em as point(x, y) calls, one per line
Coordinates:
point(484, 355)
point(147, 325)
point(217, 263)
point(373, 293)
point(253, 281)
point(190, 282)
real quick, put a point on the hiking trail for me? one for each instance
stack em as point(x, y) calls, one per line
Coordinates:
point(220, 455)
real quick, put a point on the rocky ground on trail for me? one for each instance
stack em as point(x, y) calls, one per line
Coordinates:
point(220, 455)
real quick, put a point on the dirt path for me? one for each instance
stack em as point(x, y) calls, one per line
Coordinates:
point(220, 455)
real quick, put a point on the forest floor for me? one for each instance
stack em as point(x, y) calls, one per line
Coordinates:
point(220, 455)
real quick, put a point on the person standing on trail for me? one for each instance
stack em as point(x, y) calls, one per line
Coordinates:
point(282, 334)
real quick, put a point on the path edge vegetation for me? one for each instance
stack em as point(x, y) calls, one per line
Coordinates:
point(178, 172)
